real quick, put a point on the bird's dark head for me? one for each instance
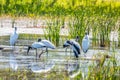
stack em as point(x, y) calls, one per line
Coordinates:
point(86, 33)
point(66, 44)
point(68, 41)
point(29, 47)
point(39, 39)
point(77, 38)
point(15, 28)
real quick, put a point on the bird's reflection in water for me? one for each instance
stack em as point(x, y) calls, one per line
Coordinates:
point(72, 67)
point(13, 62)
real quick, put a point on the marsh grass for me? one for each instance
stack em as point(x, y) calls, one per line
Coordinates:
point(30, 36)
point(28, 75)
point(101, 28)
point(106, 25)
point(119, 33)
point(52, 31)
point(77, 27)
point(23, 39)
point(4, 40)
point(106, 70)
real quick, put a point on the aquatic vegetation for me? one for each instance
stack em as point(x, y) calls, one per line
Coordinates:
point(106, 70)
point(29, 36)
point(77, 27)
point(98, 16)
point(52, 31)
point(54, 7)
point(101, 28)
point(28, 75)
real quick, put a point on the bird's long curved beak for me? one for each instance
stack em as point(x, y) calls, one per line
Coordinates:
point(29, 47)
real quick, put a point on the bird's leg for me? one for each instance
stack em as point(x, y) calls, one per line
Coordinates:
point(36, 55)
point(14, 46)
point(67, 65)
point(84, 54)
point(41, 54)
point(70, 53)
point(66, 52)
point(46, 54)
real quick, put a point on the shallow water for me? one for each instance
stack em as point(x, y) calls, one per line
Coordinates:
point(59, 57)
point(62, 60)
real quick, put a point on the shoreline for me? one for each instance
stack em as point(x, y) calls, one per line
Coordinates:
point(7, 31)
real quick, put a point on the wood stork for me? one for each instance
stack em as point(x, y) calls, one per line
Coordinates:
point(74, 45)
point(13, 37)
point(85, 43)
point(48, 44)
point(35, 45)
point(76, 50)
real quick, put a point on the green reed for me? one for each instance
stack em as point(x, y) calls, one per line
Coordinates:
point(29, 36)
point(54, 7)
point(101, 29)
point(103, 69)
point(8, 74)
point(106, 70)
point(52, 31)
point(118, 33)
point(77, 27)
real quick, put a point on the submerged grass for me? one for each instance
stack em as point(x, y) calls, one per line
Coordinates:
point(28, 75)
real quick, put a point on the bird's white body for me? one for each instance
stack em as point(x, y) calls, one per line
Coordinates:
point(85, 43)
point(41, 44)
point(48, 44)
point(76, 43)
point(13, 38)
point(37, 45)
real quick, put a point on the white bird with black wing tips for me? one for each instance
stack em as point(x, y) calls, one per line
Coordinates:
point(74, 45)
point(35, 45)
point(76, 50)
point(85, 43)
point(47, 44)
